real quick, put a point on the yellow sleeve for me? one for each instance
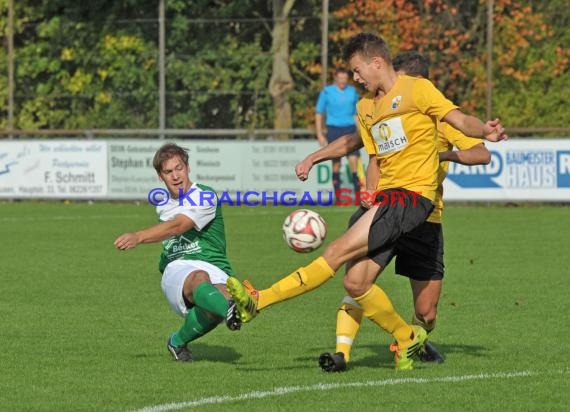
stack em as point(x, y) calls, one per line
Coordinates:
point(430, 100)
point(367, 139)
point(458, 139)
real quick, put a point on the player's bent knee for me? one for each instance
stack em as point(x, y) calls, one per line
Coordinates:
point(193, 280)
point(356, 287)
point(427, 315)
point(199, 276)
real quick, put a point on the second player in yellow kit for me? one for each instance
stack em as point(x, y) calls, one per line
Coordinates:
point(419, 256)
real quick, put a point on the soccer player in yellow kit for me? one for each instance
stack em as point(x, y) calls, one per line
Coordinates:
point(419, 254)
point(399, 132)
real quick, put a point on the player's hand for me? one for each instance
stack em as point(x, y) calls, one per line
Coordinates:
point(368, 202)
point(494, 131)
point(322, 140)
point(303, 168)
point(127, 241)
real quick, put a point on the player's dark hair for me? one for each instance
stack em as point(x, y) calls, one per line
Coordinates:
point(167, 152)
point(340, 70)
point(412, 63)
point(368, 45)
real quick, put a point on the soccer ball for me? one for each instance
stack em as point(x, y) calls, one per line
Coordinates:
point(304, 230)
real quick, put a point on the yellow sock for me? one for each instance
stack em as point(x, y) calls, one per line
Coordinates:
point(378, 308)
point(300, 281)
point(428, 326)
point(348, 319)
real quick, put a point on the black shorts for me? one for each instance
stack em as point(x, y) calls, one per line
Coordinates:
point(418, 247)
point(334, 132)
point(419, 254)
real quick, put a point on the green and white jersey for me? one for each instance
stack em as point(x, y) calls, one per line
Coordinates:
point(207, 240)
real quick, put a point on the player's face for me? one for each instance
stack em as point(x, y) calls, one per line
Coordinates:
point(341, 80)
point(174, 174)
point(365, 71)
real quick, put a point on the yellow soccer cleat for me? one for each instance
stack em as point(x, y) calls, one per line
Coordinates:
point(403, 356)
point(245, 303)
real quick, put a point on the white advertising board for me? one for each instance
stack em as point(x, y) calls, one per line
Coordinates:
point(523, 170)
point(53, 169)
point(262, 170)
point(131, 174)
point(520, 170)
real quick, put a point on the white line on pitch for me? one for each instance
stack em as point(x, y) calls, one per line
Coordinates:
point(330, 386)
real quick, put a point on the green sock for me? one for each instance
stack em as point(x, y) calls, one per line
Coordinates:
point(196, 324)
point(208, 297)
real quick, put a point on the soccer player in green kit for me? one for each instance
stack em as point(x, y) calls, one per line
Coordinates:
point(193, 263)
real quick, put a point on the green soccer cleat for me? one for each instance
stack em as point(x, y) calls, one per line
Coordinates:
point(245, 303)
point(403, 357)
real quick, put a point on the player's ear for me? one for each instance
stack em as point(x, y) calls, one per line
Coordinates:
point(378, 62)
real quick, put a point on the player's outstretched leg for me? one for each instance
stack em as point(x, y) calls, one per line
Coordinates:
point(332, 362)
point(298, 282)
point(245, 304)
point(403, 356)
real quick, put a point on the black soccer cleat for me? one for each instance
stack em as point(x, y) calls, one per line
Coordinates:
point(180, 353)
point(429, 353)
point(233, 321)
point(332, 362)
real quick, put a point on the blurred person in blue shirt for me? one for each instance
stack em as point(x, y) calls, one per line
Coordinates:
point(336, 113)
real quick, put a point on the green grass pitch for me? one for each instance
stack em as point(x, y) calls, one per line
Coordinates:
point(84, 326)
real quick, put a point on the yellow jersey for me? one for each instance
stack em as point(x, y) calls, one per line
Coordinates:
point(401, 130)
point(448, 137)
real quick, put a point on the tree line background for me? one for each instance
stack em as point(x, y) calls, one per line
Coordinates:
point(257, 63)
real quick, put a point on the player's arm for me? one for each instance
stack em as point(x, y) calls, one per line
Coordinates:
point(319, 129)
point(372, 173)
point(476, 155)
point(372, 177)
point(337, 149)
point(156, 233)
point(492, 130)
